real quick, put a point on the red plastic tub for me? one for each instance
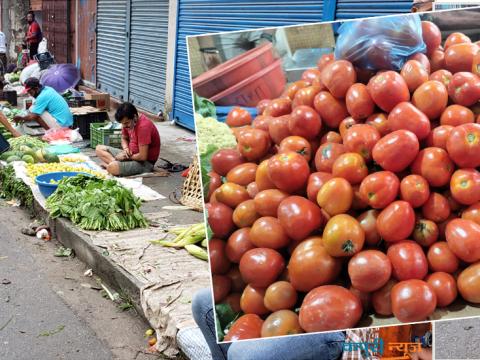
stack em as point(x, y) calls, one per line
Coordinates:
point(233, 71)
point(268, 83)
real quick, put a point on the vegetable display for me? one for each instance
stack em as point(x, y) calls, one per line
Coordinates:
point(33, 170)
point(28, 149)
point(212, 132)
point(13, 188)
point(355, 193)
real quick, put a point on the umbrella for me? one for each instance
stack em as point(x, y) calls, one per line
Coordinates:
point(32, 70)
point(61, 77)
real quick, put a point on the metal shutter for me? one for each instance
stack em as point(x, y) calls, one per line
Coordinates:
point(351, 9)
point(206, 16)
point(148, 54)
point(112, 46)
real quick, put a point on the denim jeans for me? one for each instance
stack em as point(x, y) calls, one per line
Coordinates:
point(326, 346)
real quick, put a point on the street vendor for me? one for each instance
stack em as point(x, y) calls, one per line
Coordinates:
point(50, 110)
point(140, 144)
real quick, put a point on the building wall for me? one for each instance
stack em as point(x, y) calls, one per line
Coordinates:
point(14, 24)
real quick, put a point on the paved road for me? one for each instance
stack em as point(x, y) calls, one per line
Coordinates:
point(457, 339)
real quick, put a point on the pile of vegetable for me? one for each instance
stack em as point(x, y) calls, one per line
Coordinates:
point(28, 149)
point(33, 170)
point(96, 204)
point(12, 188)
point(211, 132)
point(355, 193)
point(188, 237)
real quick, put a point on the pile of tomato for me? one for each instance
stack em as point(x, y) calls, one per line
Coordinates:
point(354, 193)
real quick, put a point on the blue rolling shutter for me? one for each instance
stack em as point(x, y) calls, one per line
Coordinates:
point(352, 9)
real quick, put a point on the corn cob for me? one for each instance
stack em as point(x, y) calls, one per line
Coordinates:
point(197, 251)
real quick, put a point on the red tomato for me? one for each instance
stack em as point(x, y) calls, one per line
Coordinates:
point(346, 124)
point(262, 105)
point(278, 128)
point(219, 217)
point(226, 159)
point(422, 59)
point(311, 75)
point(335, 196)
point(279, 296)
point(463, 238)
point(262, 178)
point(469, 283)
point(437, 61)
point(215, 183)
point(445, 287)
point(359, 102)
point(253, 144)
point(331, 137)
point(413, 300)
point(396, 151)
point(293, 88)
point(414, 74)
point(369, 270)
point(282, 322)
point(221, 287)
point(434, 165)
point(261, 122)
point(476, 62)
point(305, 122)
point(296, 144)
point(454, 204)
point(343, 236)
point(289, 172)
point(247, 326)
point(252, 301)
point(267, 232)
point(379, 189)
point(299, 217)
point(442, 75)
point(463, 145)
point(388, 89)
point(326, 156)
point(472, 213)
point(331, 109)
point(361, 139)
point(315, 182)
point(456, 115)
point(242, 174)
point(441, 258)
point(330, 307)
point(238, 244)
point(459, 57)
point(306, 96)
point(338, 76)
point(365, 298)
point(381, 299)
point(233, 300)
point(219, 263)
point(464, 88)
point(465, 186)
point(261, 266)
point(237, 282)
point(425, 233)
point(278, 107)
point(438, 137)
point(380, 122)
point(238, 117)
point(456, 38)
point(415, 190)
point(431, 98)
point(232, 194)
point(245, 214)
point(396, 222)
point(405, 116)
point(436, 208)
point(267, 201)
point(368, 222)
point(311, 266)
point(431, 36)
point(358, 203)
point(350, 166)
point(324, 60)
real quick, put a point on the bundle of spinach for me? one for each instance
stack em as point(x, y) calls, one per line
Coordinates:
point(13, 188)
point(96, 204)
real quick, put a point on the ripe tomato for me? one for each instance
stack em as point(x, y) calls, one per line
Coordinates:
point(422, 59)
point(442, 75)
point(331, 137)
point(331, 110)
point(226, 159)
point(459, 57)
point(299, 217)
point(219, 264)
point(311, 75)
point(262, 179)
point(414, 74)
point(242, 174)
point(395, 151)
point(261, 122)
point(388, 89)
point(237, 282)
point(215, 183)
point(456, 115)
point(437, 61)
point(379, 189)
point(296, 144)
point(359, 102)
point(436, 208)
point(306, 96)
point(438, 137)
point(464, 88)
point(324, 60)
point(441, 258)
point(262, 105)
point(358, 203)
point(361, 139)
point(326, 156)
point(350, 166)
point(251, 301)
point(335, 196)
point(338, 76)
point(245, 214)
point(463, 238)
point(280, 295)
point(425, 232)
point(431, 36)
point(278, 128)
point(368, 222)
point(413, 300)
point(232, 194)
point(380, 122)
point(219, 217)
point(282, 322)
point(289, 172)
point(238, 244)
point(315, 182)
point(463, 145)
point(311, 265)
point(396, 221)
point(305, 122)
point(405, 116)
point(233, 300)
point(469, 283)
point(456, 38)
point(381, 299)
point(454, 204)
point(267, 232)
point(267, 201)
point(476, 62)
point(253, 144)
point(365, 298)
point(278, 107)
point(369, 270)
point(415, 190)
point(431, 98)
point(221, 287)
point(346, 124)
point(434, 165)
point(343, 236)
point(247, 326)
point(261, 266)
point(465, 186)
point(238, 117)
point(445, 287)
point(330, 307)
point(472, 213)
point(293, 88)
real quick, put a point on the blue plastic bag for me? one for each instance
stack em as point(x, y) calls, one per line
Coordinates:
point(380, 43)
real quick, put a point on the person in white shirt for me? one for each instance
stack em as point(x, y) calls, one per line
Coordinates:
point(3, 52)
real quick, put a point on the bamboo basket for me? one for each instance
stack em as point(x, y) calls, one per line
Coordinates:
point(192, 188)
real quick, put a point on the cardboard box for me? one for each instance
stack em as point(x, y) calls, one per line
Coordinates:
point(102, 100)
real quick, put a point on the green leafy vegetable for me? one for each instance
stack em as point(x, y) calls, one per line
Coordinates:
point(204, 107)
point(206, 167)
point(224, 319)
point(13, 188)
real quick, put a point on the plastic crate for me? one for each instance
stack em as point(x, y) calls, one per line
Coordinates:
point(82, 122)
point(110, 137)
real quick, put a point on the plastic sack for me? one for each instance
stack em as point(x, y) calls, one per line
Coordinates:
point(380, 43)
point(62, 135)
point(42, 46)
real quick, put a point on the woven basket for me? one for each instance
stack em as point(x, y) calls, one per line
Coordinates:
point(192, 188)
